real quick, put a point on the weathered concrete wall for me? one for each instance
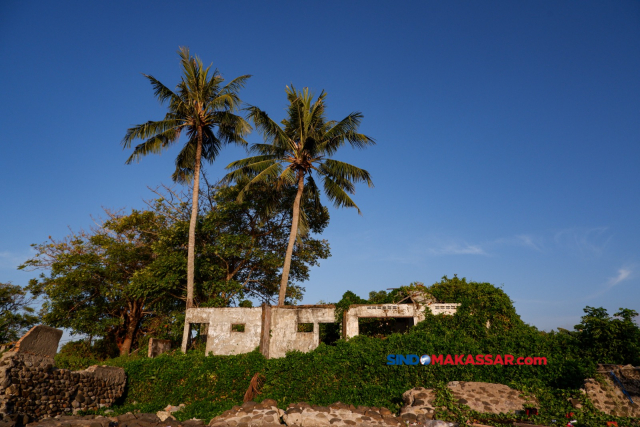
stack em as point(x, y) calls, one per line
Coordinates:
point(444, 308)
point(416, 311)
point(30, 384)
point(284, 328)
point(275, 329)
point(221, 340)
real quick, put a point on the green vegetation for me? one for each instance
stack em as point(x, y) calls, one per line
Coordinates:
point(355, 371)
point(305, 145)
point(15, 313)
point(128, 279)
point(124, 281)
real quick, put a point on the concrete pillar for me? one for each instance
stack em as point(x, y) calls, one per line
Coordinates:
point(185, 335)
point(350, 326)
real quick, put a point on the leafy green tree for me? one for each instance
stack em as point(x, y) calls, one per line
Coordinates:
point(608, 339)
point(99, 283)
point(15, 313)
point(241, 245)
point(303, 146)
point(202, 108)
point(126, 279)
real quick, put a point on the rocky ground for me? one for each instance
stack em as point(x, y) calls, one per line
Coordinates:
point(250, 414)
point(126, 420)
point(418, 409)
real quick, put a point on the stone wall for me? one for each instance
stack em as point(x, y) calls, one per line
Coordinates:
point(606, 393)
point(30, 384)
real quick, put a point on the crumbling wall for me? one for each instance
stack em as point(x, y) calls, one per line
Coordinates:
point(284, 328)
point(275, 329)
point(222, 339)
point(351, 328)
point(30, 384)
point(350, 324)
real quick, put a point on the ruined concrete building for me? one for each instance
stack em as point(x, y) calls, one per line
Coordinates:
point(277, 330)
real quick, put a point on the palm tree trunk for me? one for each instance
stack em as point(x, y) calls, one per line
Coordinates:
point(191, 250)
point(292, 239)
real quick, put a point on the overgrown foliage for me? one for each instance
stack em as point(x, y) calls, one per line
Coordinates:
point(609, 339)
point(16, 315)
point(355, 372)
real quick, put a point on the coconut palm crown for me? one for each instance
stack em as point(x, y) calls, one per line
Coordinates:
point(302, 148)
point(203, 109)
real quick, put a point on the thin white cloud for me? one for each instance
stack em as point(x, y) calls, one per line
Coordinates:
point(623, 274)
point(530, 241)
point(8, 260)
point(458, 249)
point(584, 241)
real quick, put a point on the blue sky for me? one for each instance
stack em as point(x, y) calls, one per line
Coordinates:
point(508, 132)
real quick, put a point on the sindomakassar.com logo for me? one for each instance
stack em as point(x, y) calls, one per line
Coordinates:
point(464, 359)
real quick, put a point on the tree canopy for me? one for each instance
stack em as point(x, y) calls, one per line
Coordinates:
point(203, 109)
point(294, 153)
point(126, 278)
point(16, 315)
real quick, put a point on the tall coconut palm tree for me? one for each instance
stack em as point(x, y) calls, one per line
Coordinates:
point(303, 148)
point(203, 109)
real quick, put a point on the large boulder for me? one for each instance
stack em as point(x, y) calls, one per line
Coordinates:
point(606, 392)
point(338, 415)
point(265, 414)
point(479, 396)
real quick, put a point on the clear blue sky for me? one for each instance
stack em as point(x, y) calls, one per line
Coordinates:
point(508, 132)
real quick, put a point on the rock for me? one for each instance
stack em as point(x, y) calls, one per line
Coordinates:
point(194, 422)
point(479, 396)
point(264, 414)
point(606, 394)
point(338, 414)
point(163, 415)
